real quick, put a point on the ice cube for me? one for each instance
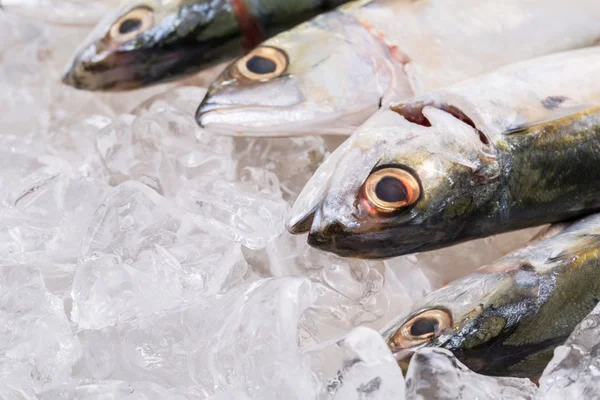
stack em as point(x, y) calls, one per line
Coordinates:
point(163, 148)
point(237, 211)
point(38, 347)
point(182, 98)
point(244, 340)
point(574, 372)
point(435, 373)
point(142, 255)
point(293, 160)
point(366, 369)
point(42, 219)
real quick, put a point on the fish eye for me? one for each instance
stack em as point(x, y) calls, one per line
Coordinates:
point(262, 64)
point(390, 189)
point(132, 24)
point(421, 328)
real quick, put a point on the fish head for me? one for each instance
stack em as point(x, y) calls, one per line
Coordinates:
point(472, 317)
point(147, 41)
point(310, 80)
point(398, 185)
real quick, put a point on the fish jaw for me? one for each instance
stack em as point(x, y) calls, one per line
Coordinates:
point(94, 70)
point(112, 71)
point(284, 111)
point(335, 238)
point(276, 121)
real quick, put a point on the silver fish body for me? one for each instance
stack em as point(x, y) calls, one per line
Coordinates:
point(502, 151)
point(339, 68)
point(152, 41)
point(506, 318)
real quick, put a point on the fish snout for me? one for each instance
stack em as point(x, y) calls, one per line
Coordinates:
point(334, 237)
point(72, 75)
point(203, 112)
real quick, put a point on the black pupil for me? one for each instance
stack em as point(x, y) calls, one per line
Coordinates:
point(130, 25)
point(391, 190)
point(260, 65)
point(424, 326)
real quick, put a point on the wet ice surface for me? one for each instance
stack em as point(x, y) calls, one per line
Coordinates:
point(574, 372)
point(145, 258)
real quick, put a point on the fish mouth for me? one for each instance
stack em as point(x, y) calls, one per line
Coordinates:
point(287, 116)
point(363, 246)
point(300, 225)
point(112, 71)
point(375, 243)
point(233, 120)
point(126, 70)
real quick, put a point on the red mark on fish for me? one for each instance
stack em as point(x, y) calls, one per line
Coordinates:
point(252, 29)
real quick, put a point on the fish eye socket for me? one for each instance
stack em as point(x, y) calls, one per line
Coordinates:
point(132, 24)
point(422, 328)
point(390, 189)
point(261, 64)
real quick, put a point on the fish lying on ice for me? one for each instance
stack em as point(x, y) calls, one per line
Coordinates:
point(152, 41)
point(506, 319)
point(328, 75)
point(514, 148)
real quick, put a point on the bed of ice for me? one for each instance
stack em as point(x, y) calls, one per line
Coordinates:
point(142, 258)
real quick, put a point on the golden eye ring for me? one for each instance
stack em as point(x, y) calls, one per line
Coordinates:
point(262, 64)
point(422, 328)
point(130, 25)
point(390, 189)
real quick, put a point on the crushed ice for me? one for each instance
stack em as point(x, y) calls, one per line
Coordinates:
point(144, 258)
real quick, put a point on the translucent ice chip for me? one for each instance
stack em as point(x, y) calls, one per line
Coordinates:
point(142, 255)
point(183, 98)
point(292, 160)
point(42, 221)
point(45, 216)
point(245, 340)
point(574, 372)
point(366, 369)
point(163, 148)
point(436, 374)
point(350, 292)
point(38, 347)
point(236, 210)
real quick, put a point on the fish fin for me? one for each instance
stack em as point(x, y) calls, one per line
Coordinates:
point(554, 114)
